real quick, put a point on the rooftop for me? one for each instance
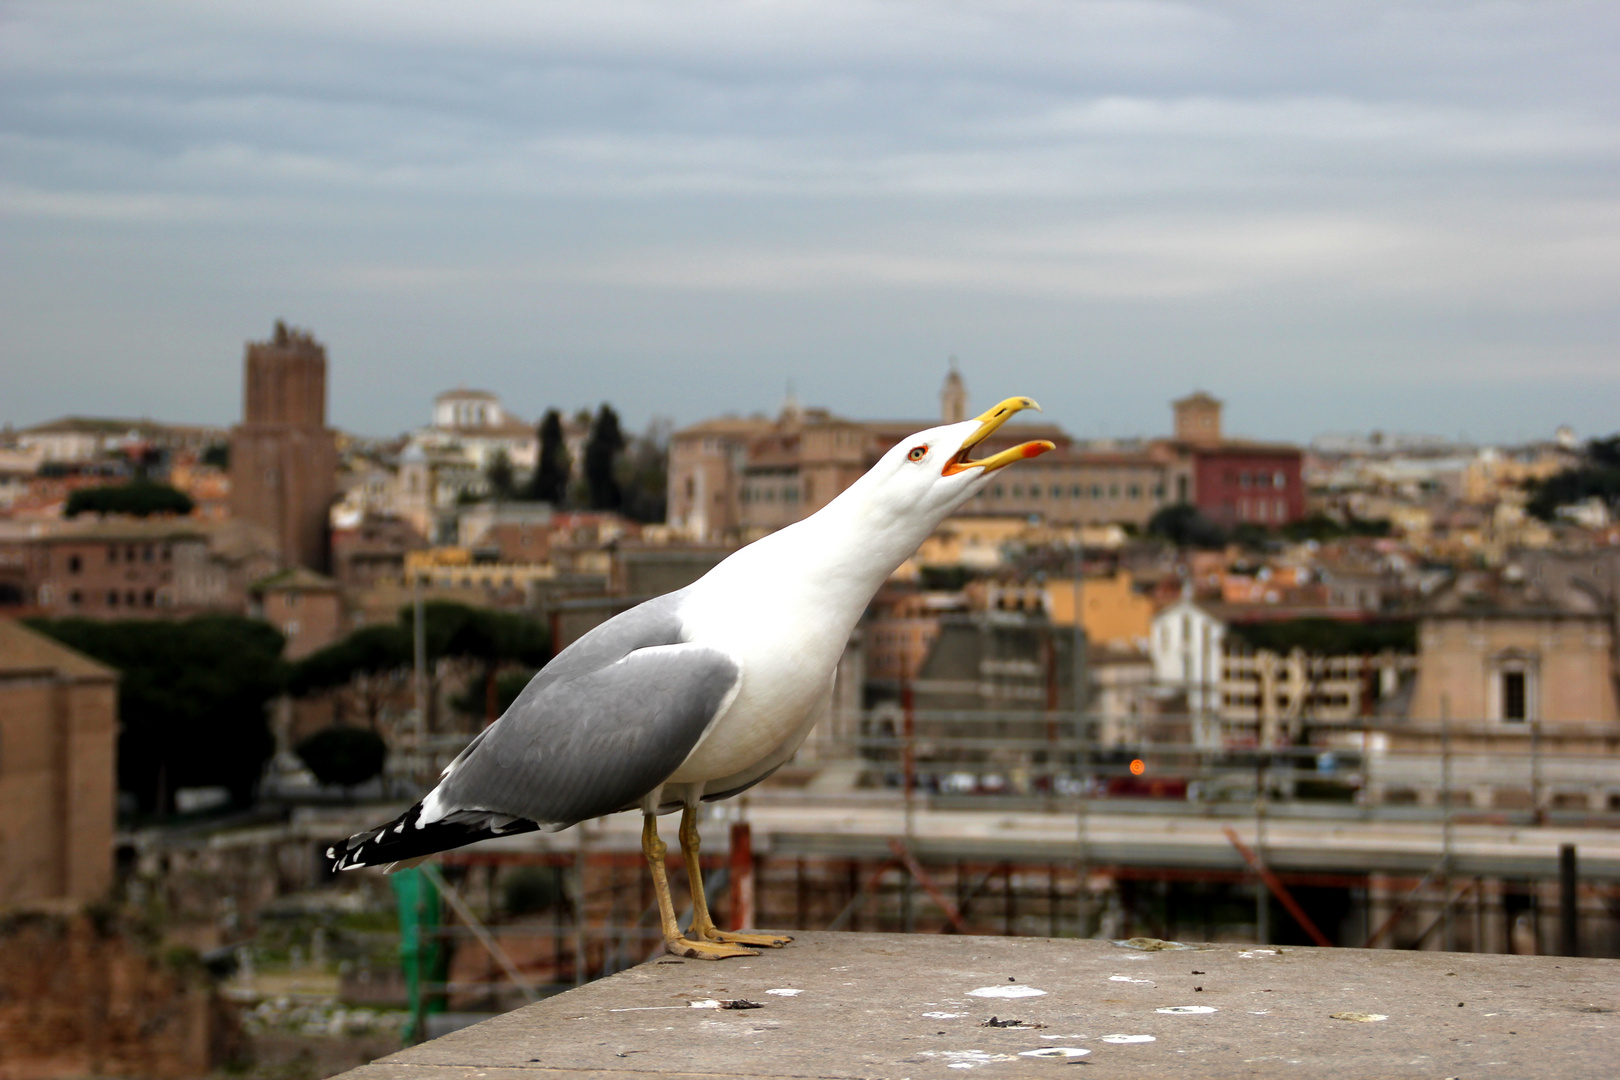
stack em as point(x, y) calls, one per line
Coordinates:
point(298, 578)
point(25, 651)
point(884, 1005)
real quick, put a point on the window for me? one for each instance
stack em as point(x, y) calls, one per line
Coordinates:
point(73, 564)
point(1057, 491)
point(112, 597)
point(1513, 686)
point(1096, 491)
point(996, 491)
point(1018, 491)
point(148, 598)
point(1513, 696)
point(1113, 491)
point(1077, 491)
point(1135, 491)
point(75, 597)
point(112, 553)
point(1279, 480)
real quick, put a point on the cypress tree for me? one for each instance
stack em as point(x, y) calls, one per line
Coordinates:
point(601, 450)
point(550, 480)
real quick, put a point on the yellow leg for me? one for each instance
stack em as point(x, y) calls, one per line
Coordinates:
point(702, 923)
point(653, 848)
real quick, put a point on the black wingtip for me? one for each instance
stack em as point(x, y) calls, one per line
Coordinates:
point(406, 838)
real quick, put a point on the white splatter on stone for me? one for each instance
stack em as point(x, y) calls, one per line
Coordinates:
point(1187, 1010)
point(1250, 954)
point(1055, 1052)
point(785, 992)
point(966, 1059)
point(1128, 979)
point(1120, 1040)
point(944, 1015)
point(1006, 992)
point(1359, 1017)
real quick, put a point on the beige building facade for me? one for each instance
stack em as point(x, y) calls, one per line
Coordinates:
point(1512, 667)
point(58, 743)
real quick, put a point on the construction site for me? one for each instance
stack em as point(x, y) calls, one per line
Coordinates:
point(1034, 833)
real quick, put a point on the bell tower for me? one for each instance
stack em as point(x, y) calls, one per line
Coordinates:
point(283, 456)
point(953, 397)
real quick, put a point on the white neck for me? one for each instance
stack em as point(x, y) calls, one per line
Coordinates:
point(832, 562)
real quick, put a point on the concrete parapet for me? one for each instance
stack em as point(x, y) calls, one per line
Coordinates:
point(880, 1005)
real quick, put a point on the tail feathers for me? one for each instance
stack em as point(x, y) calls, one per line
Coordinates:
point(403, 842)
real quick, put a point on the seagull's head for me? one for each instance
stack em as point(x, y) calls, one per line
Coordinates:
point(932, 473)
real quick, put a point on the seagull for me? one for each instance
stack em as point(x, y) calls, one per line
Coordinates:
point(701, 693)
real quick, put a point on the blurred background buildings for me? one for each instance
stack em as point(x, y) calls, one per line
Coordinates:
point(1401, 653)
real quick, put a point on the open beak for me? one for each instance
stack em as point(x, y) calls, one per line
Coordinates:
point(988, 423)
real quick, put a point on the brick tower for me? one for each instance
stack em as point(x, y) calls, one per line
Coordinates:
point(283, 456)
point(953, 404)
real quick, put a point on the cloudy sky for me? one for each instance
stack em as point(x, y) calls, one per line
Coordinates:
point(1336, 216)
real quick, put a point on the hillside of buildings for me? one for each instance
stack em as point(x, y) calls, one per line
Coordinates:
point(273, 625)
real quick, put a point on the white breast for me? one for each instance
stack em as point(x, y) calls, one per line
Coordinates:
point(786, 630)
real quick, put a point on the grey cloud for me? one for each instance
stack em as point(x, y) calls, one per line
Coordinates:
point(607, 192)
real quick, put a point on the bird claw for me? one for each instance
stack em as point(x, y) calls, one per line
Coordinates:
point(759, 941)
point(707, 950)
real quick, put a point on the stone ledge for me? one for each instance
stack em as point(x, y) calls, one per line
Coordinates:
point(886, 1005)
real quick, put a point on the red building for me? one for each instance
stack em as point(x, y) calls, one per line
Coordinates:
point(1236, 481)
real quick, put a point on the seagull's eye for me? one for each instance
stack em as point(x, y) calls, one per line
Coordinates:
point(917, 453)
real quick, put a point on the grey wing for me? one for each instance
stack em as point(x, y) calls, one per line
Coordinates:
point(595, 743)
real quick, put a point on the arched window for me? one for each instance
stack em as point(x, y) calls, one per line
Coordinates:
point(1514, 692)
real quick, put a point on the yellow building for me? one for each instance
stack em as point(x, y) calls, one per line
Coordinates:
point(1114, 613)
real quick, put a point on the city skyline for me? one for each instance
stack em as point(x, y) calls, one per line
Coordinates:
point(1396, 216)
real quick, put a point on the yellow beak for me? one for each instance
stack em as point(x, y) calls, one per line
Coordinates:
point(988, 423)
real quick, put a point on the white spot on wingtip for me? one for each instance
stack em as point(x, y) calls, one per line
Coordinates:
point(331, 853)
point(1006, 992)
